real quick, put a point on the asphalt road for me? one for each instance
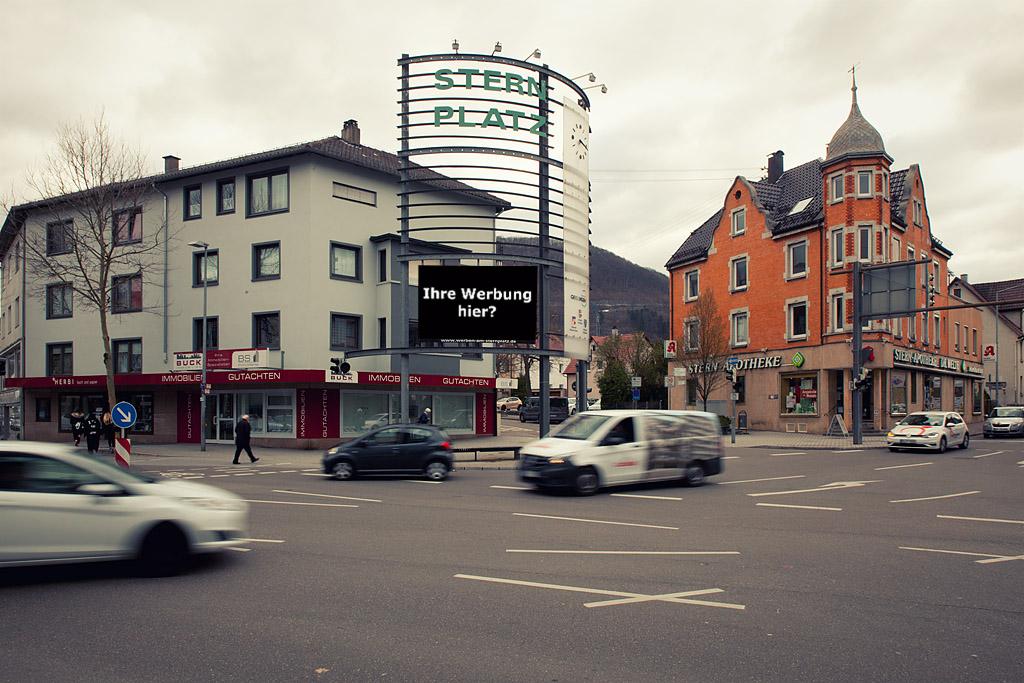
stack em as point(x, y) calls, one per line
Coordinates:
point(790, 566)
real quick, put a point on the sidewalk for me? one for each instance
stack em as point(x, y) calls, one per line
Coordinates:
point(189, 455)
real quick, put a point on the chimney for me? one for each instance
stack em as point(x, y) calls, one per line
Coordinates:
point(963, 278)
point(350, 133)
point(171, 163)
point(775, 166)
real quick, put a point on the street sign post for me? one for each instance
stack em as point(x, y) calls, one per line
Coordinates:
point(124, 416)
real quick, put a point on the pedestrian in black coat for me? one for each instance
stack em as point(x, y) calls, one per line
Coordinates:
point(77, 426)
point(93, 428)
point(109, 430)
point(242, 430)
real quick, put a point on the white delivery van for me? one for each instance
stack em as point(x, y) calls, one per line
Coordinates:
point(616, 447)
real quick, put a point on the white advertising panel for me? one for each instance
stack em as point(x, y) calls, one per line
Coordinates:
point(576, 229)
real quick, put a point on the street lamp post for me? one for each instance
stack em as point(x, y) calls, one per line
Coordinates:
point(202, 387)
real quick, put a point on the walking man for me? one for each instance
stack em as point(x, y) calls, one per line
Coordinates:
point(424, 417)
point(242, 430)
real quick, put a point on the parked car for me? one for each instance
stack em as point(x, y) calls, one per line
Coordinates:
point(558, 411)
point(375, 421)
point(509, 403)
point(594, 404)
point(395, 449)
point(572, 405)
point(1008, 420)
point(617, 447)
point(61, 506)
point(929, 429)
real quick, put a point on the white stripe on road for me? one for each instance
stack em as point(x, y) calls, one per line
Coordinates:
point(219, 475)
point(982, 519)
point(951, 495)
point(633, 495)
point(751, 481)
point(326, 495)
point(261, 540)
point(898, 467)
point(241, 550)
point(775, 455)
point(595, 521)
point(627, 552)
point(798, 507)
point(985, 455)
point(630, 597)
point(288, 502)
point(989, 558)
point(512, 488)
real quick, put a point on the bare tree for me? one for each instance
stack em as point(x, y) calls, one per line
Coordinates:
point(705, 345)
point(88, 247)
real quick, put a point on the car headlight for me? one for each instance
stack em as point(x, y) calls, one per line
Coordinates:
point(333, 451)
point(564, 460)
point(931, 435)
point(212, 503)
point(891, 435)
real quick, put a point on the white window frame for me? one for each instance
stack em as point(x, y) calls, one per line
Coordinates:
point(885, 185)
point(918, 212)
point(836, 187)
point(688, 293)
point(691, 328)
point(791, 306)
point(938, 331)
point(734, 263)
point(838, 247)
point(738, 222)
point(956, 337)
point(734, 317)
point(805, 243)
point(837, 310)
point(862, 243)
point(861, 175)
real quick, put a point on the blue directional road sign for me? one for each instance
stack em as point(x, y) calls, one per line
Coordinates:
point(733, 362)
point(124, 415)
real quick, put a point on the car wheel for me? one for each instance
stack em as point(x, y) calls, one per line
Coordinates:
point(967, 440)
point(586, 482)
point(988, 436)
point(522, 418)
point(163, 551)
point(436, 471)
point(343, 470)
point(503, 409)
point(942, 445)
point(694, 475)
point(894, 449)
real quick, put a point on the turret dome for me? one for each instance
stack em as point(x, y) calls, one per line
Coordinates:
point(856, 136)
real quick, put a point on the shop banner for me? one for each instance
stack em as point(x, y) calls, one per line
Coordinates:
point(318, 414)
point(189, 417)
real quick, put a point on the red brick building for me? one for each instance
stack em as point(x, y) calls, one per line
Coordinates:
point(778, 256)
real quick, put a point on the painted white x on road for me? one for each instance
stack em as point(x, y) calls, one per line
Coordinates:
point(622, 597)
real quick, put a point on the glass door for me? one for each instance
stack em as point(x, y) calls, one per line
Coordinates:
point(224, 422)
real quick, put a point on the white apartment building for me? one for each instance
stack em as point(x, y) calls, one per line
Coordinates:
point(302, 266)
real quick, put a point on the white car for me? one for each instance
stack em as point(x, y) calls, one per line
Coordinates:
point(60, 506)
point(931, 429)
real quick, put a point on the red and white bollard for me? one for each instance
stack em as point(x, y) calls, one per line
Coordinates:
point(123, 452)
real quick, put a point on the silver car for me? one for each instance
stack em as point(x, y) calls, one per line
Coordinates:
point(1005, 421)
point(61, 506)
point(933, 430)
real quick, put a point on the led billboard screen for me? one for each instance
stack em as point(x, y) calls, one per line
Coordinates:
point(478, 303)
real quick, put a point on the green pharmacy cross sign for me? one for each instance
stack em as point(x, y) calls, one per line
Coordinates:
point(798, 359)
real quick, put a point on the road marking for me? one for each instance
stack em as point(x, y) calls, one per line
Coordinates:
point(595, 521)
point(985, 455)
point(289, 502)
point(627, 552)
point(422, 481)
point(751, 481)
point(629, 597)
point(730, 457)
point(851, 450)
point(897, 467)
point(241, 550)
point(827, 487)
point(288, 471)
point(212, 476)
point(982, 519)
point(322, 474)
point(798, 507)
point(951, 495)
point(261, 540)
point(775, 455)
point(632, 495)
point(512, 488)
point(245, 474)
point(327, 495)
point(266, 473)
point(989, 558)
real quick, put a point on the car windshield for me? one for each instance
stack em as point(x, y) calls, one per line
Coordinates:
point(579, 427)
point(1007, 412)
point(922, 419)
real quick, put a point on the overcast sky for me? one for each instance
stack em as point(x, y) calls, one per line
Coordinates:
point(698, 92)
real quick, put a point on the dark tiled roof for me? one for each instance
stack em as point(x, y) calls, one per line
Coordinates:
point(1007, 289)
point(698, 243)
point(897, 202)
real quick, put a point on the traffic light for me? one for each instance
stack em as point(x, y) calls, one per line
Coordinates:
point(735, 380)
point(339, 366)
point(931, 289)
point(863, 379)
point(866, 354)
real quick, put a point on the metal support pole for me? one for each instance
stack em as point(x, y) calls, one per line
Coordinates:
point(858, 341)
point(403, 265)
point(544, 304)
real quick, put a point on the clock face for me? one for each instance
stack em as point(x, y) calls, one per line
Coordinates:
point(580, 141)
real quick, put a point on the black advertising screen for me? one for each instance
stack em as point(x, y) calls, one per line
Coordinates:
point(478, 303)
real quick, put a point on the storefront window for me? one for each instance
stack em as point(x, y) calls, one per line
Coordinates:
point(280, 416)
point(958, 396)
point(898, 393)
point(691, 391)
point(454, 412)
point(799, 394)
point(143, 404)
point(86, 403)
point(932, 392)
point(363, 412)
point(976, 396)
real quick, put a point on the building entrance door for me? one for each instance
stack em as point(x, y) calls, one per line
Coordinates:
point(224, 421)
point(867, 403)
